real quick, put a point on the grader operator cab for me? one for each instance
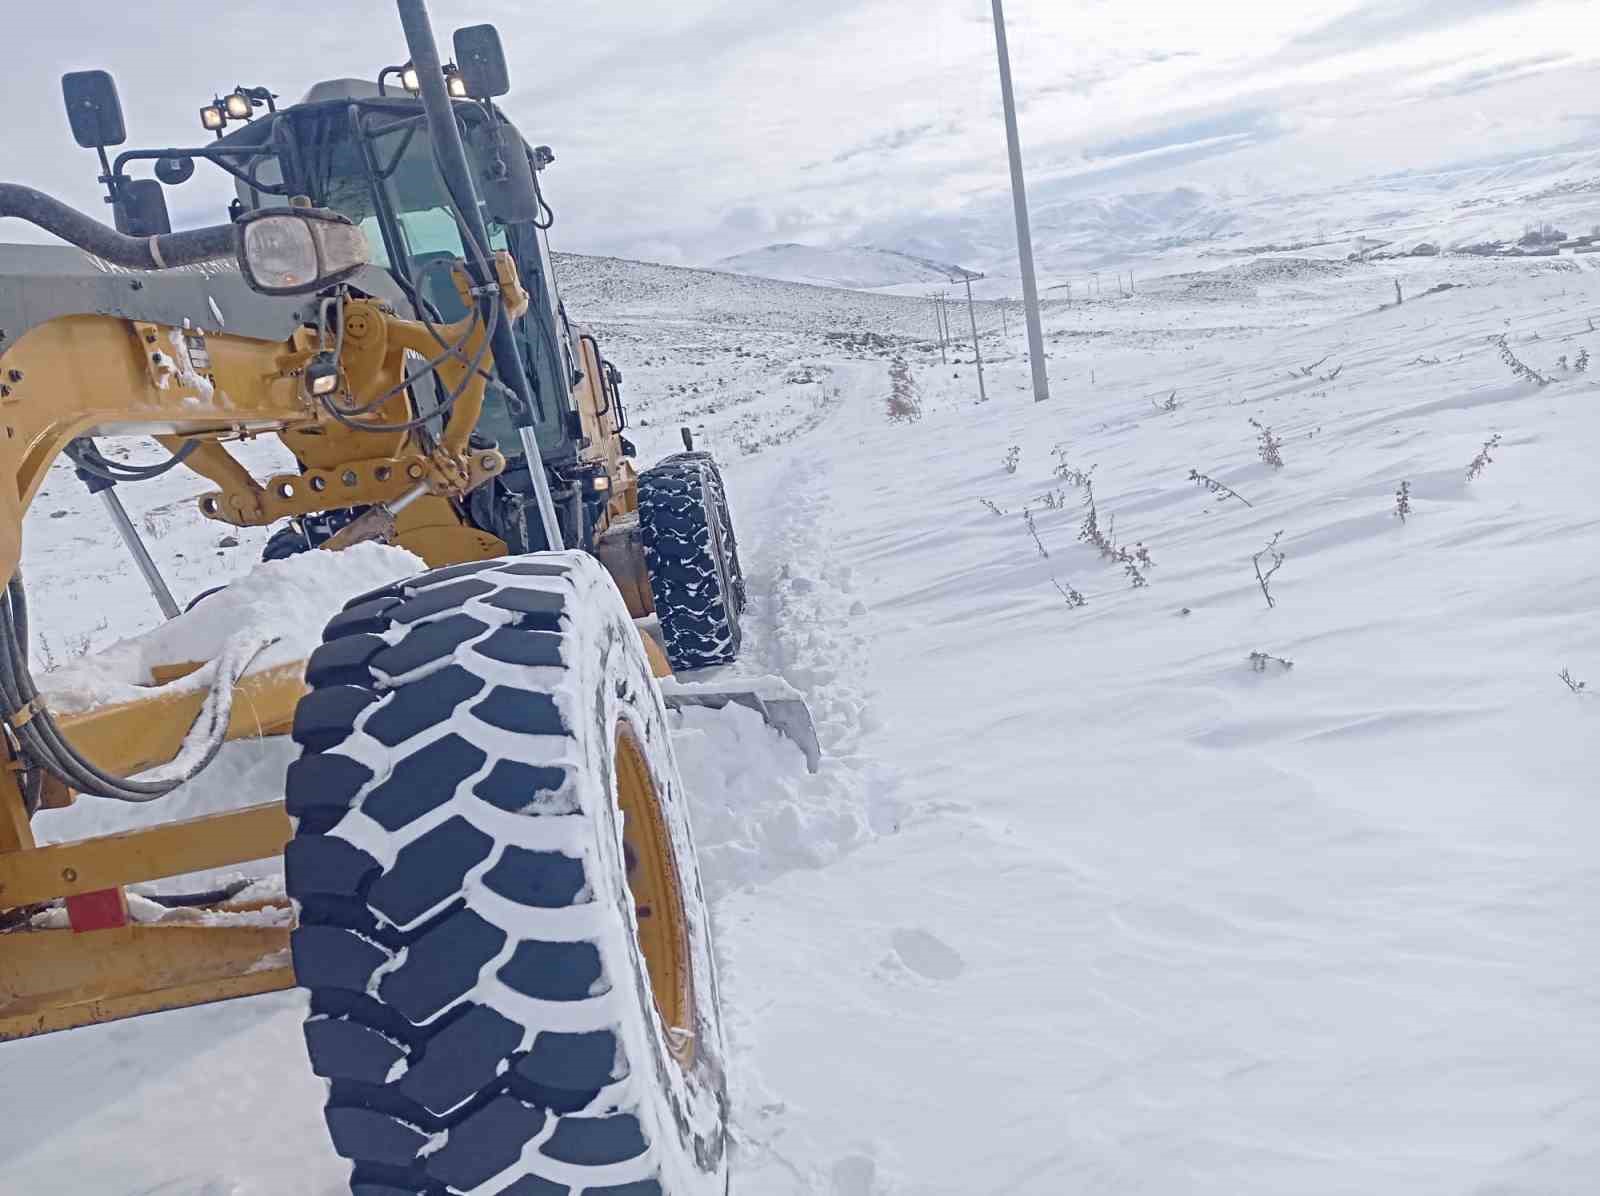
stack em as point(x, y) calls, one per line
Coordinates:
point(490, 892)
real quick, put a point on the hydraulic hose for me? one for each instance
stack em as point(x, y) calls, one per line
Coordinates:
point(160, 252)
point(43, 745)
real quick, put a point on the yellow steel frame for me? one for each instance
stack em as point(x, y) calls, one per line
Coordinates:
point(54, 979)
point(81, 375)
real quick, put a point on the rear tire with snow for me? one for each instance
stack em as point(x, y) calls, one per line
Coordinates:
point(692, 562)
point(730, 542)
point(501, 927)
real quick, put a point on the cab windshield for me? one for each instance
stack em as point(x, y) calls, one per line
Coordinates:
point(384, 178)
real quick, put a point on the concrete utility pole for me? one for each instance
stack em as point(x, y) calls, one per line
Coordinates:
point(942, 358)
point(977, 350)
point(1019, 197)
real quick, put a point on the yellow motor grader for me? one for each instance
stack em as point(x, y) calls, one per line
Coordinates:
point(490, 892)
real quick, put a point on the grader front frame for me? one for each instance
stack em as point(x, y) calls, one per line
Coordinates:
point(75, 374)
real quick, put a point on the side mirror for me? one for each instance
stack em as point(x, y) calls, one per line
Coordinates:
point(298, 251)
point(141, 209)
point(173, 171)
point(482, 61)
point(93, 109)
point(506, 178)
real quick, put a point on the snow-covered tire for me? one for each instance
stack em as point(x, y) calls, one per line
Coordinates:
point(730, 542)
point(685, 553)
point(501, 925)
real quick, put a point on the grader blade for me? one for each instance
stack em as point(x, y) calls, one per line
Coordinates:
point(773, 698)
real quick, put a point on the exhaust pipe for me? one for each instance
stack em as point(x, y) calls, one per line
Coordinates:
point(161, 252)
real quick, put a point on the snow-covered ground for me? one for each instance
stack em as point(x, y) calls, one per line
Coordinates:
point(857, 267)
point(1084, 900)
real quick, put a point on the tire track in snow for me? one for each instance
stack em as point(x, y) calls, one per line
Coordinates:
point(758, 814)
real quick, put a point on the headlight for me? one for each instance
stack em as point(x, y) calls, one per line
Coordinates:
point(295, 251)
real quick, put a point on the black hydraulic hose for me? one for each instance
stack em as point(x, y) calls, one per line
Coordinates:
point(43, 744)
point(83, 453)
point(136, 253)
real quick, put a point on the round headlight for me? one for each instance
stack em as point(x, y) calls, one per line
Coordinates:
point(281, 252)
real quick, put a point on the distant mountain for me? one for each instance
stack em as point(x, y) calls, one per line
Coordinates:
point(857, 268)
point(1071, 230)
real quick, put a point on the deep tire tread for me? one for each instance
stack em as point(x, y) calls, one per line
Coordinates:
point(692, 562)
point(433, 1092)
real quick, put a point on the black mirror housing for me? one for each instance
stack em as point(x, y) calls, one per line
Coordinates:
point(141, 209)
point(173, 171)
point(506, 181)
point(482, 61)
point(93, 109)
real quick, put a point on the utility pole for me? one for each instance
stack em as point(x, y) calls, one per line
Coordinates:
point(1005, 325)
point(977, 350)
point(944, 360)
point(1019, 198)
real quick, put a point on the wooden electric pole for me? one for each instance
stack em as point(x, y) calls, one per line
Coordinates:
point(977, 350)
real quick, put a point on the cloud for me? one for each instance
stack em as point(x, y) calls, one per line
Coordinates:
point(1247, 124)
point(1396, 19)
point(697, 129)
point(890, 142)
point(1486, 77)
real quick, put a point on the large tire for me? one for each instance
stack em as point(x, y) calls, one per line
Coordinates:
point(730, 542)
point(486, 792)
point(687, 557)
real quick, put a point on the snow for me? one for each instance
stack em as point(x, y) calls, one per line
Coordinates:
point(282, 605)
point(1079, 901)
point(857, 267)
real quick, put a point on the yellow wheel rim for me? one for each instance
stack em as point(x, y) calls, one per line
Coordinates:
point(657, 891)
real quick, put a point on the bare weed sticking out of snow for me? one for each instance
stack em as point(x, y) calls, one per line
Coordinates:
point(1268, 447)
point(1217, 488)
point(1573, 683)
point(1520, 368)
point(1077, 478)
point(1033, 530)
point(1069, 595)
point(1402, 501)
point(1134, 561)
point(905, 404)
point(1264, 580)
point(1484, 459)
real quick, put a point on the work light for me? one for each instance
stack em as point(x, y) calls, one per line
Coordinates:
point(454, 83)
point(237, 105)
point(409, 79)
point(212, 117)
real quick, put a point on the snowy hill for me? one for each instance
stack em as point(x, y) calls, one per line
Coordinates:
point(1078, 229)
point(1126, 872)
point(861, 268)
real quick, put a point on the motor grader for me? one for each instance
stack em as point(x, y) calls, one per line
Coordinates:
point(490, 893)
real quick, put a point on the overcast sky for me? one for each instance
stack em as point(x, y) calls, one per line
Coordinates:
point(689, 129)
